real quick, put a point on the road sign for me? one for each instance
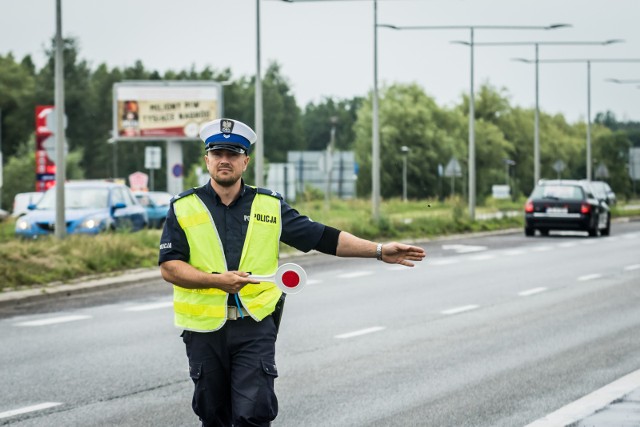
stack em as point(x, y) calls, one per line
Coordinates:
point(558, 166)
point(152, 157)
point(49, 146)
point(138, 181)
point(453, 168)
point(634, 163)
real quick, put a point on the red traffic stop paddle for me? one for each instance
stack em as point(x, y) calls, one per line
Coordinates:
point(289, 277)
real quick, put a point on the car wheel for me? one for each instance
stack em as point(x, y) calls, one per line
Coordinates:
point(544, 232)
point(529, 232)
point(593, 231)
point(607, 230)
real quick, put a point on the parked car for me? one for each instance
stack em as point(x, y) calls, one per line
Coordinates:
point(157, 205)
point(604, 192)
point(22, 201)
point(566, 205)
point(91, 207)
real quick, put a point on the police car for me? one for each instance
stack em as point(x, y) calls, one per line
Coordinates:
point(91, 207)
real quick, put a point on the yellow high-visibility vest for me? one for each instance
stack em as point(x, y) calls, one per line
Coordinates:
point(205, 310)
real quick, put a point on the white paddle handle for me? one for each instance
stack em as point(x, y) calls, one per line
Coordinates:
point(271, 278)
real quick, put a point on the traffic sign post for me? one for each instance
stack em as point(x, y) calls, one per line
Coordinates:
point(152, 159)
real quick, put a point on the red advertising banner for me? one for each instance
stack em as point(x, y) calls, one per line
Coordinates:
point(45, 167)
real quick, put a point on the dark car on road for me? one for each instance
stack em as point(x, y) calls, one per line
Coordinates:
point(603, 191)
point(91, 207)
point(566, 205)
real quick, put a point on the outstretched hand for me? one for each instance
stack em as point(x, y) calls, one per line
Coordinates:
point(399, 253)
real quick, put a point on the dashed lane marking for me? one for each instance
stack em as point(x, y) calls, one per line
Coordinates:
point(360, 332)
point(355, 274)
point(27, 409)
point(589, 277)
point(53, 320)
point(567, 244)
point(153, 306)
point(514, 252)
point(462, 309)
point(632, 267)
point(589, 404)
point(531, 292)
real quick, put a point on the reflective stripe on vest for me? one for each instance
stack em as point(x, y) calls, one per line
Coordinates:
point(204, 310)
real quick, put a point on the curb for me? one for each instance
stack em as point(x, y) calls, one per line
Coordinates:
point(78, 286)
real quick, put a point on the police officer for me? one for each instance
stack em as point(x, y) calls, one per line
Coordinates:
point(214, 237)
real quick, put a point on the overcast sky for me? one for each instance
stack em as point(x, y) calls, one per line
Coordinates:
point(325, 48)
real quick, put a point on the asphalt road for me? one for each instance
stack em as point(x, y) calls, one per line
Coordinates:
point(489, 331)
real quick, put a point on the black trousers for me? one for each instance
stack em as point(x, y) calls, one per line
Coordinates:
point(233, 370)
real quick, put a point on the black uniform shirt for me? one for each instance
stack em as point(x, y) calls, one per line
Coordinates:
point(232, 222)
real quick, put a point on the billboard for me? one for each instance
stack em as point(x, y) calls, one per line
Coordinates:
point(155, 110)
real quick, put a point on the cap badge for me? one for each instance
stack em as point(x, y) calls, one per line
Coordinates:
point(226, 126)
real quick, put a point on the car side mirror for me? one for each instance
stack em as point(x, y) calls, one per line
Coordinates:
point(119, 205)
point(31, 206)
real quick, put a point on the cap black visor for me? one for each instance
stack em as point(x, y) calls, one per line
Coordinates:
point(228, 147)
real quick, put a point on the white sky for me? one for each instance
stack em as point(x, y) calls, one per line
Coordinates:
point(325, 48)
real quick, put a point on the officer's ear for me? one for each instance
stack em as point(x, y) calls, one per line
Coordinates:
point(247, 159)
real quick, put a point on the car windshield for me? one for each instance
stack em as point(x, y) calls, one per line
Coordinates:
point(571, 192)
point(77, 198)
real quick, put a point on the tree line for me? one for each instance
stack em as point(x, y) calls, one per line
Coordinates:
point(408, 117)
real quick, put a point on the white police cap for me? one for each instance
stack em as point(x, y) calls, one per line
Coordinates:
point(227, 134)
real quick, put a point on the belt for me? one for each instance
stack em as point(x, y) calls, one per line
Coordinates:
point(234, 313)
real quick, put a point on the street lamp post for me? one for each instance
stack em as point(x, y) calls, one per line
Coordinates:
point(472, 156)
point(60, 227)
point(405, 153)
point(259, 155)
point(588, 62)
point(375, 128)
point(537, 44)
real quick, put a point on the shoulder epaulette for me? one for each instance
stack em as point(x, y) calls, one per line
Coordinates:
point(268, 192)
point(184, 194)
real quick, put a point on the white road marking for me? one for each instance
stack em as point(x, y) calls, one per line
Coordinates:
point(443, 261)
point(53, 320)
point(590, 403)
point(26, 409)
point(355, 274)
point(482, 257)
point(153, 306)
point(313, 281)
point(567, 245)
point(531, 292)
point(360, 332)
point(463, 249)
point(513, 252)
point(589, 277)
point(541, 248)
point(462, 309)
point(632, 267)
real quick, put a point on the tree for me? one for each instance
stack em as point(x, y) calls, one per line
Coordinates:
point(408, 117)
point(17, 84)
point(317, 121)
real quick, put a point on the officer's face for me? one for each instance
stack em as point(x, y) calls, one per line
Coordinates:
point(226, 167)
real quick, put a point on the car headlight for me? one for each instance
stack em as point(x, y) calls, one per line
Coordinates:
point(90, 223)
point(22, 224)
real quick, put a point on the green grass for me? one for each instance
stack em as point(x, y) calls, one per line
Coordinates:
point(39, 262)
